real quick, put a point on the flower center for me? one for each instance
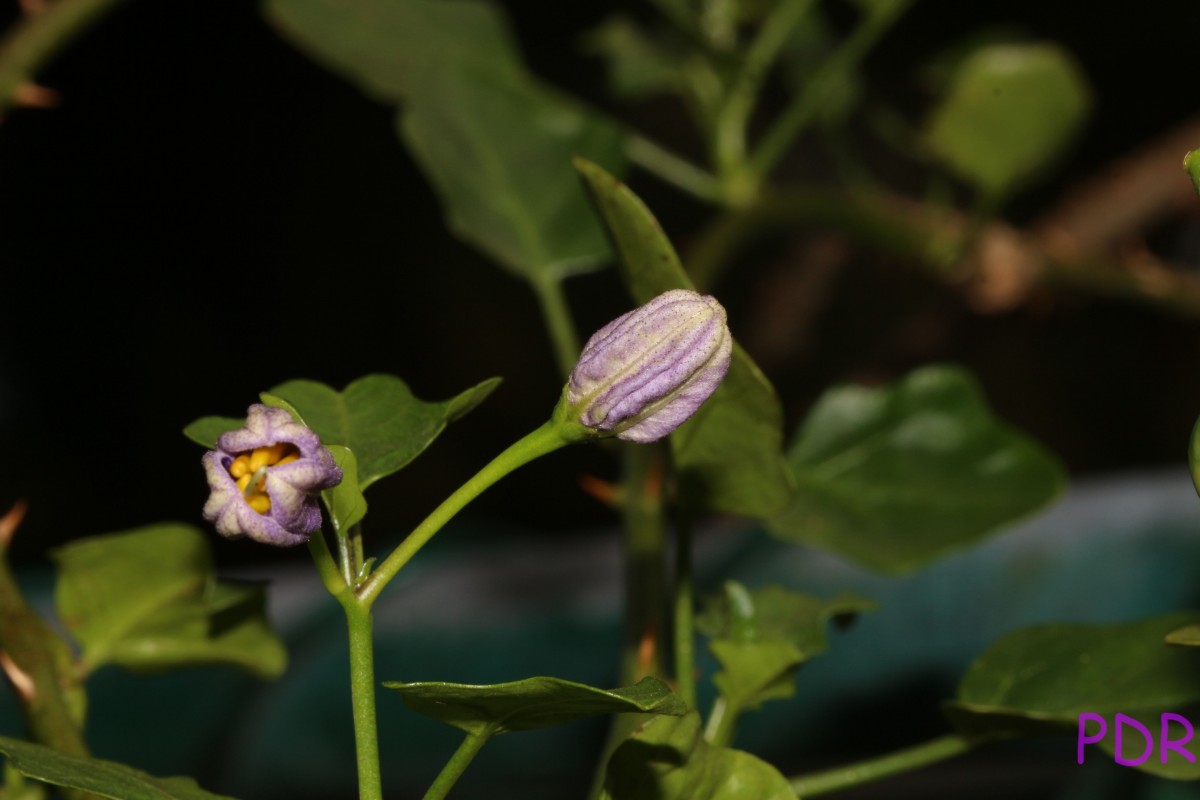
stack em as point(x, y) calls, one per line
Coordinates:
point(249, 470)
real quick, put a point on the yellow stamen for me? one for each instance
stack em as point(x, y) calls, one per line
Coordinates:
point(259, 458)
point(249, 471)
point(240, 466)
point(275, 452)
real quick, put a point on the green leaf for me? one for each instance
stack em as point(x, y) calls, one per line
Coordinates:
point(345, 502)
point(1194, 455)
point(1187, 636)
point(1191, 162)
point(499, 155)
point(1040, 679)
point(378, 418)
point(147, 600)
point(532, 703)
point(97, 777)
point(1011, 109)
point(494, 141)
point(385, 46)
point(206, 430)
point(896, 476)
point(731, 450)
point(639, 65)
point(774, 612)
point(761, 638)
point(668, 759)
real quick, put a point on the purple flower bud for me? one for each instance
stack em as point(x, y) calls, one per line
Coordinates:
point(644, 373)
point(265, 478)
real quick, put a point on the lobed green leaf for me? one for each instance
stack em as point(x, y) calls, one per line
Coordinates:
point(762, 637)
point(668, 759)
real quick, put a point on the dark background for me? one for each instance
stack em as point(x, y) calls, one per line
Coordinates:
point(208, 213)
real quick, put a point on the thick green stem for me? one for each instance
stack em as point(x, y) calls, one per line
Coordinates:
point(457, 764)
point(685, 600)
point(645, 576)
point(906, 760)
point(557, 315)
point(805, 107)
point(32, 42)
point(549, 437)
point(645, 558)
point(362, 697)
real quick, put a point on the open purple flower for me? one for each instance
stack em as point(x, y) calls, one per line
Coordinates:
point(644, 373)
point(265, 478)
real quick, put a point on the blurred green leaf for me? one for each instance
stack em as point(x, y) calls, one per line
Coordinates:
point(97, 777)
point(1191, 162)
point(1133, 744)
point(532, 703)
point(499, 154)
point(731, 450)
point(638, 63)
point(1010, 110)
point(1187, 636)
point(494, 141)
point(896, 476)
point(206, 430)
point(774, 612)
point(1040, 679)
point(668, 759)
point(345, 502)
point(761, 638)
point(378, 418)
point(15, 786)
point(1194, 455)
point(387, 46)
point(147, 600)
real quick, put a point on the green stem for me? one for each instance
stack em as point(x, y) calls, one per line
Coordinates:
point(812, 99)
point(645, 558)
point(362, 696)
point(672, 168)
point(33, 41)
point(549, 437)
point(557, 314)
point(729, 135)
point(685, 634)
point(457, 764)
point(645, 542)
point(911, 758)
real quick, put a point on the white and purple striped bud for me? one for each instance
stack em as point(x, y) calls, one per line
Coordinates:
point(643, 374)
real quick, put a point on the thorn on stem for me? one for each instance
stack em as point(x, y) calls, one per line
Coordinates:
point(20, 679)
point(604, 491)
point(31, 95)
point(10, 521)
